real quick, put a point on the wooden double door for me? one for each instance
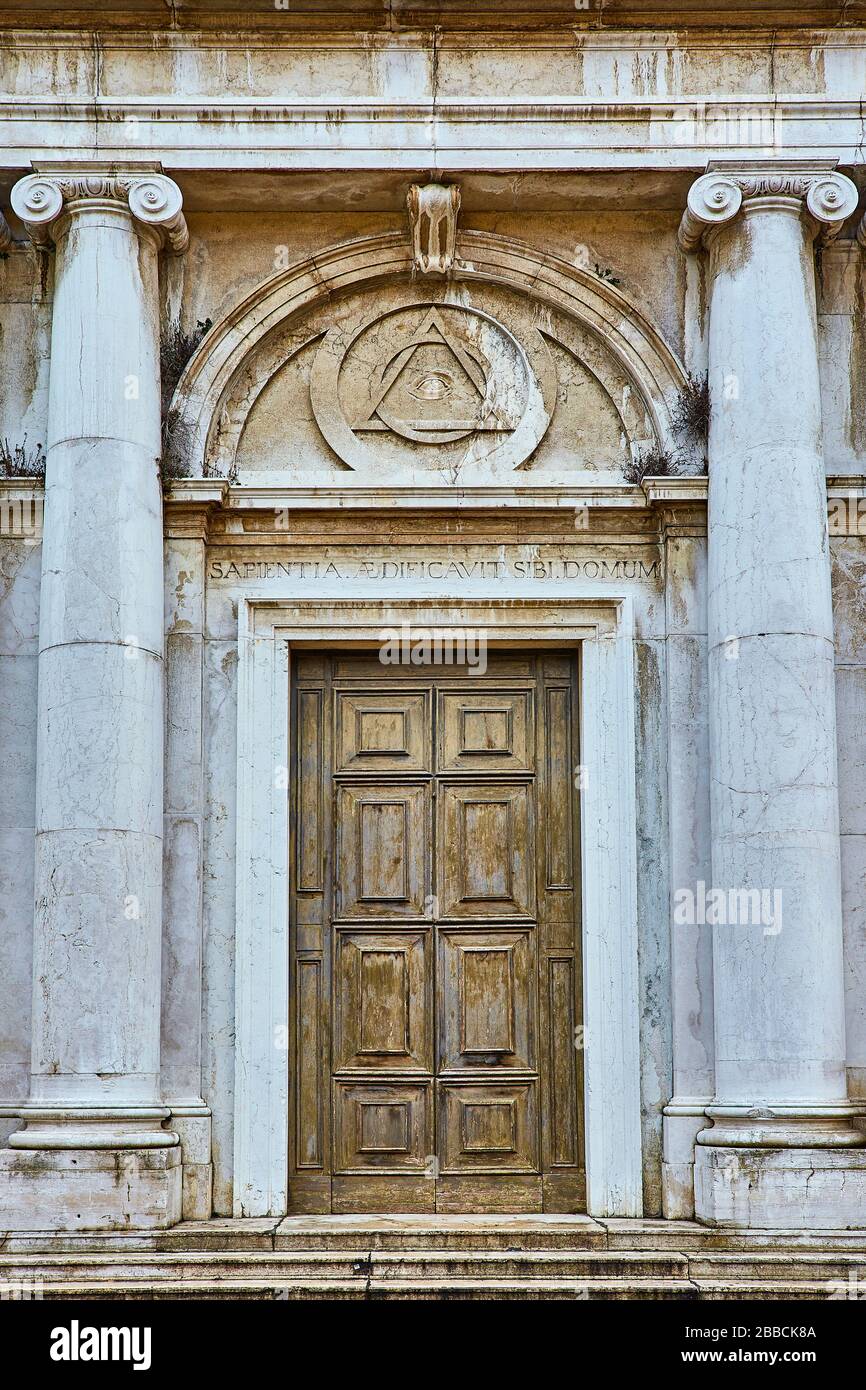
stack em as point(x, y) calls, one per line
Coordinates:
point(435, 965)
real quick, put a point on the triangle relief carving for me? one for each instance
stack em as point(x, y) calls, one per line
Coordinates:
point(436, 389)
point(424, 378)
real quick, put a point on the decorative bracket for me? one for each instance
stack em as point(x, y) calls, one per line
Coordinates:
point(433, 209)
point(716, 198)
point(153, 200)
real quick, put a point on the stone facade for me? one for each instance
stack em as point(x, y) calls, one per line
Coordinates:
point(326, 325)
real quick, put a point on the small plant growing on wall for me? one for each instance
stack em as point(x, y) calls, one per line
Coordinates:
point(176, 348)
point(19, 461)
point(607, 275)
point(656, 463)
point(208, 471)
point(691, 416)
point(690, 422)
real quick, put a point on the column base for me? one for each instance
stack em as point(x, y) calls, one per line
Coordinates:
point(91, 1127)
point(89, 1189)
point(683, 1119)
point(784, 1126)
point(788, 1189)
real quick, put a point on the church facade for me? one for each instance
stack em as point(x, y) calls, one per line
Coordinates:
point(433, 618)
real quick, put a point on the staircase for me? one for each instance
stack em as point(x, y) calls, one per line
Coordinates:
point(440, 1258)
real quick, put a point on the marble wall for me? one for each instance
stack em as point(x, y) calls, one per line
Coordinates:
point(598, 210)
point(201, 637)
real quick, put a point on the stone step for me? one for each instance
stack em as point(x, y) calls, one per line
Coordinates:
point(296, 1290)
point(653, 1234)
point(329, 1264)
point(543, 1232)
point(457, 1233)
point(442, 1290)
point(829, 1266)
point(404, 1273)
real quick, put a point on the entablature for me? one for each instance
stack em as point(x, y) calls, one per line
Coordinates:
point(261, 112)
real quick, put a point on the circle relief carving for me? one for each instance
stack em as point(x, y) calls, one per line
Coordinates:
point(432, 383)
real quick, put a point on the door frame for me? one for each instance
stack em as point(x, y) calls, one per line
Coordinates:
point(581, 615)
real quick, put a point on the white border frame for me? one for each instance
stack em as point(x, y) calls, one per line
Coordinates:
point(270, 625)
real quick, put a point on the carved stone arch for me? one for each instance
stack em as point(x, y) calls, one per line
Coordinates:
point(201, 408)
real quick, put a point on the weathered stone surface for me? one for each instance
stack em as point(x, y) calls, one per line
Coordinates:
point(422, 323)
point(90, 1189)
point(806, 1189)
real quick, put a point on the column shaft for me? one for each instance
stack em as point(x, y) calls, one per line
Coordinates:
point(778, 1151)
point(775, 823)
point(99, 760)
point(95, 1100)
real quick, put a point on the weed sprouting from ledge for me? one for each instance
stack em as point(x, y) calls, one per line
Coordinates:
point(691, 415)
point(176, 349)
point(19, 461)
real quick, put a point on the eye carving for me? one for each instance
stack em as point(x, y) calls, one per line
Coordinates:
point(431, 386)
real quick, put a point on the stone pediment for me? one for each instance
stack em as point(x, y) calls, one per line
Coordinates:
point(513, 365)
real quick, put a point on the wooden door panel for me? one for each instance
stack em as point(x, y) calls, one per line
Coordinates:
point(309, 1098)
point(383, 1126)
point(563, 1044)
point(383, 839)
point(383, 986)
point(383, 731)
point(486, 850)
point(488, 1127)
point(481, 732)
point(436, 1061)
point(486, 999)
point(309, 867)
point(559, 859)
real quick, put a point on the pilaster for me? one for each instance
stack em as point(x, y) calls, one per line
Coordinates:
point(681, 506)
point(188, 509)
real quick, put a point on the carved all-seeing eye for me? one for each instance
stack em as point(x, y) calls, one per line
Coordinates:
point(431, 386)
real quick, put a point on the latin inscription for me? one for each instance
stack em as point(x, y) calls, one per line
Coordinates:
point(240, 571)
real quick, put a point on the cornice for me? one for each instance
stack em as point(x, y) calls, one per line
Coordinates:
point(846, 495)
point(566, 37)
point(843, 484)
point(347, 18)
point(674, 491)
point(189, 505)
point(22, 487)
point(717, 197)
point(155, 202)
point(680, 505)
point(428, 134)
point(261, 111)
point(275, 498)
point(192, 505)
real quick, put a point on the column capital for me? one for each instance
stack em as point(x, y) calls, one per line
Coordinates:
point(154, 201)
point(717, 197)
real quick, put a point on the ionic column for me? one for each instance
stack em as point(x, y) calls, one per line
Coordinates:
point(95, 1097)
point(775, 1152)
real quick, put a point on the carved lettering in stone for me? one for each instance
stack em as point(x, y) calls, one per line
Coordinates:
point(435, 567)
